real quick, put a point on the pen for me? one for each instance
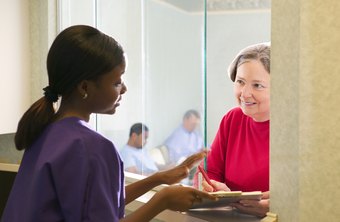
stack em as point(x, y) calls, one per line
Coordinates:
point(205, 175)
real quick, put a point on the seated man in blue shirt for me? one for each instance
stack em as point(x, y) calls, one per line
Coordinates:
point(185, 140)
point(137, 160)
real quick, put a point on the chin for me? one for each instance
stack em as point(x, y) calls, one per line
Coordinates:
point(246, 113)
point(109, 112)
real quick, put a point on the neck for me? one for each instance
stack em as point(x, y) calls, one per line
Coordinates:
point(71, 108)
point(131, 143)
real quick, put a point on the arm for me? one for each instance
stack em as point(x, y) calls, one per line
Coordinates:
point(171, 176)
point(176, 198)
point(216, 161)
point(136, 189)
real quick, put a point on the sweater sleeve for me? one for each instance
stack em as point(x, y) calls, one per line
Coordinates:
point(216, 157)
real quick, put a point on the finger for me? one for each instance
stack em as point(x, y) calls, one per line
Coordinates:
point(247, 210)
point(219, 185)
point(246, 204)
point(215, 185)
point(242, 208)
point(249, 203)
point(194, 158)
point(196, 199)
point(207, 187)
point(184, 172)
point(205, 195)
point(265, 195)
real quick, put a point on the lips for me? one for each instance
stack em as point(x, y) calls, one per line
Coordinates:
point(243, 103)
point(117, 103)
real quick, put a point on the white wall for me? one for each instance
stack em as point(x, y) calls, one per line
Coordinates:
point(14, 63)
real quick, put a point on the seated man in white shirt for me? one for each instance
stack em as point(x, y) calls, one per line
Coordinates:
point(136, 159)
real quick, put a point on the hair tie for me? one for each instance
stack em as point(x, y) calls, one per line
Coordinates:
point(50, 95)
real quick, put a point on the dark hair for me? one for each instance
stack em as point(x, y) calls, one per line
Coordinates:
point(138, 128)
point(260, 52)
point(78, 53)
point(191, 112)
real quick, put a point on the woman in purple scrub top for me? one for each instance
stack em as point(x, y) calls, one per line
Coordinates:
point(69, 172)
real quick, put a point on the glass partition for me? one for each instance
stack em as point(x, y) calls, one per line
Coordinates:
point(164, 45)
point(178, 53)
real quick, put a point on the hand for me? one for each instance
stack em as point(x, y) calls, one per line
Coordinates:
point(254, 207)
point(193, 159)
point(176, 174)
point(217, 186)
point(180, 198)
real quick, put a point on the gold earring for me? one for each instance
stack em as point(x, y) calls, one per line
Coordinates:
point(85, 96)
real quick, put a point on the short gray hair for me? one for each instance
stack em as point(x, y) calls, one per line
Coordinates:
point(259, 52)
point(191, 112)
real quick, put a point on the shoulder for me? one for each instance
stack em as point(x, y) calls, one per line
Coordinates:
point(75, 135)
point(232, 114)
point(178, 132)
point(234, 118)
point(127, 150)
point(235, 112)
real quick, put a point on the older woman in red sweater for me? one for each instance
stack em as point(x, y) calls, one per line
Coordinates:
point(239, 155)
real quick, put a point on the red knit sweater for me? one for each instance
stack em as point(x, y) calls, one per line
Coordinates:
point(239, 154)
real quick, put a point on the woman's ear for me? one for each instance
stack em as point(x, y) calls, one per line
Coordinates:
point(82, 88)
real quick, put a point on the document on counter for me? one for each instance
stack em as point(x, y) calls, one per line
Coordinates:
point(227, 197)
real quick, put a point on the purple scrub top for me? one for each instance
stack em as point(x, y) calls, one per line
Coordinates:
point(71, 173)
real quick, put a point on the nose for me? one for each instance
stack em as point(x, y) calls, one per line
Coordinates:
point(246, 91)
point(124, 89)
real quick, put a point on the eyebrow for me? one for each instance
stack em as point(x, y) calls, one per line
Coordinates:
point(254, 81)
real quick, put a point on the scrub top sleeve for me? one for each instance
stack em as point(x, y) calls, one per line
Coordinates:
point(89, 186)
point(70, 175)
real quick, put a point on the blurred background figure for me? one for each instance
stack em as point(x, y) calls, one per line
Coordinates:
point(185, 140)
point(136, 159)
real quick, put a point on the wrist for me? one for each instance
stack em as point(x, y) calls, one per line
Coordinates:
point(157, 178)
point(159, 201)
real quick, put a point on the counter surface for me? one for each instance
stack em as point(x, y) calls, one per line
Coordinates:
point(9, 167)
point(225, 214)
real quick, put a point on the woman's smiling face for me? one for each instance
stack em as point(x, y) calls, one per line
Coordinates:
point(252, 90)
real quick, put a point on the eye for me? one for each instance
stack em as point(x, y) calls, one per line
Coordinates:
point(239, 82)
point(258, 86)
point(119, 84)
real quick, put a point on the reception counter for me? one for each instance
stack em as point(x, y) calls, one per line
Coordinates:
point(225, 214)
point(215, 215)
point(7, 176)
point(7, 167)
point(8, 172)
